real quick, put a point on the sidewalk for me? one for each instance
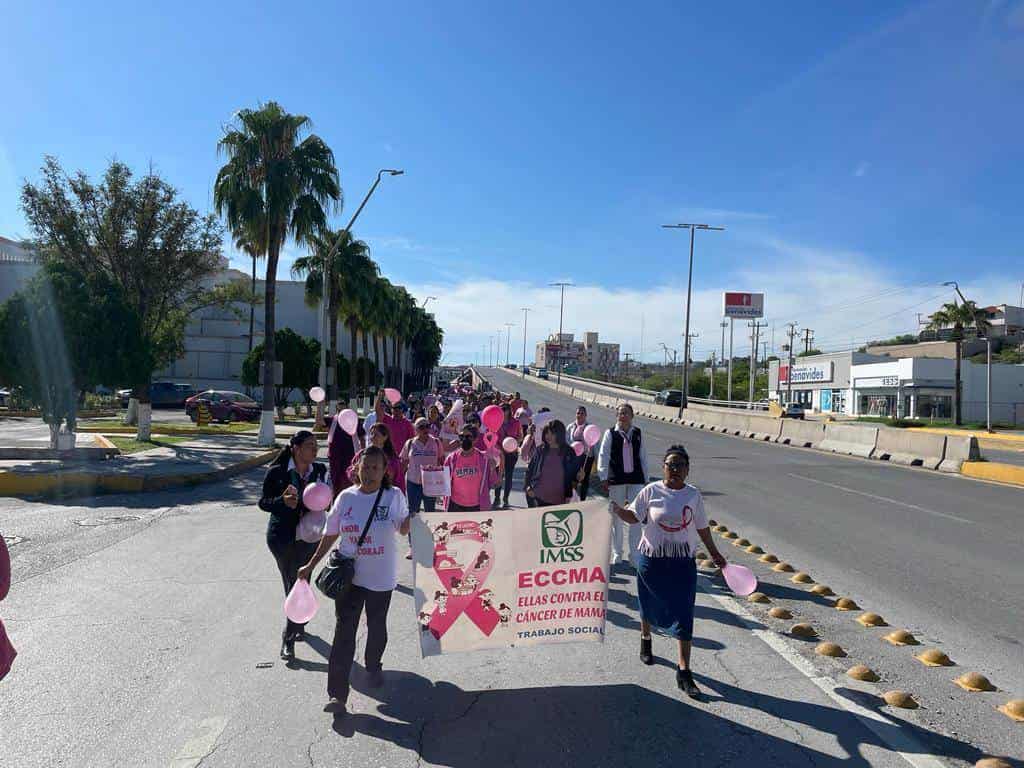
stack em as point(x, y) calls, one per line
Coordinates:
point(198, 460)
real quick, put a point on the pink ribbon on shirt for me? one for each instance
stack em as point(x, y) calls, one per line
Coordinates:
point(460, 601)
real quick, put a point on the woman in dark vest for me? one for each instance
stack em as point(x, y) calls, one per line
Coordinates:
point(286, 479)
point(622, 467)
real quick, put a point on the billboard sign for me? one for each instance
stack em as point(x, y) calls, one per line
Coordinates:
point(807, 374)
point(740, 304)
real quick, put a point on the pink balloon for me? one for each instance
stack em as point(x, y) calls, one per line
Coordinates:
point(317, 497)
point(348, 420)
point(300, 605)
point(490, 439)
point(740, 579)
point(492, 417)
point(592, 435)
point(578, 448)
point(393, 395)
point(509, 444)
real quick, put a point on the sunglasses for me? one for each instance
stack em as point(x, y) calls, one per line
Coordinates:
point(423, 426)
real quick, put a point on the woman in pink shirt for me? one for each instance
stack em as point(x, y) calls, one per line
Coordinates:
point(381, 437)
point(472, 475)
point(422, 451)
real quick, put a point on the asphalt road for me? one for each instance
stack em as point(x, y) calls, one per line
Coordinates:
point(940, 555)
point(148, 633)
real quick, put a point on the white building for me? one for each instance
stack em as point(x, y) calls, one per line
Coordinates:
point(820, 382)
point(588, 354)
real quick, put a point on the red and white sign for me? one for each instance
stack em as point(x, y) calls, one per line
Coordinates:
point(737, 304)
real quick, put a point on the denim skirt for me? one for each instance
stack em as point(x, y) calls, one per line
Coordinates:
point(667, 589)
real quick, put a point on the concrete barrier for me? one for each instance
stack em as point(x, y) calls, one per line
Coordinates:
point(735, 424)
point(910, 447)
point(764, 427)
point(959, 450)
point(849, 440)
point(802, 434)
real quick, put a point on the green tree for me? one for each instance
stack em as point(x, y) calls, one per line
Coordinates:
point(353, 274)
point(139, 236)
point(809, 352)
point(956, 317)
point(299, 358)
point(277, 180)
point(426, 349)
point(64, 334)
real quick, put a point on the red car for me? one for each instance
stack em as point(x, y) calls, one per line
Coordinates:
point(224, 406)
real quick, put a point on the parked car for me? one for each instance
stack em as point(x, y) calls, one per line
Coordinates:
point(124, 395)
point(4, 394)
point(669, 397)
point(224, 406)
point(793, 411)
point(542, 373)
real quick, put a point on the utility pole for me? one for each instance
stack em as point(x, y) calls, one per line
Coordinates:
point(755, 335)
point(789, 370)
point(689, 291)
point(686, 362)
point(561, 307)
point(764, 356)
point(526, 310)
point(711, 395)
point(808, 338)
point(728, 388)
point(508, 341)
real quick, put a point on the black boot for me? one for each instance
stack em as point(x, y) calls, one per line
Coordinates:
point(684, 679)
point(288, 649)
point(646, 655)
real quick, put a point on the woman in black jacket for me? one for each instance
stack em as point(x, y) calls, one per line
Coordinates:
point(552, 470)
point(286, 479)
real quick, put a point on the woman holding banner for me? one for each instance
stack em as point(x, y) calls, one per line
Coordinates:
point(376, 570)
point(671, 514)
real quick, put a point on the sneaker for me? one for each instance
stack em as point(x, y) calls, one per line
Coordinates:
point(375, 678)
point(684, 679)
point(408, 555)
point(335, 706)
point(646, 655)
point(288, 650)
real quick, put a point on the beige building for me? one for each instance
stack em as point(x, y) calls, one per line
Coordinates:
point(588, 354)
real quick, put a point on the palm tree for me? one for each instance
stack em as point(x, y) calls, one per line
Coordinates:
point(281, 182)
point(957, 317)
point(252, 241)
point(404, 312)
point(426, 349)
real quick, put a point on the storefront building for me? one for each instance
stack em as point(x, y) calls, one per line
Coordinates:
point(821, 383)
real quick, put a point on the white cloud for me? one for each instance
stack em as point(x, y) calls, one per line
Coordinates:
point(845, 297)
point(718, 215)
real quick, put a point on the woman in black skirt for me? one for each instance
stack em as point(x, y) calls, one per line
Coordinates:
point(286, 479)
point(673, 519)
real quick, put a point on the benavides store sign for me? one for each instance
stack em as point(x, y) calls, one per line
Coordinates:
point(807, 374)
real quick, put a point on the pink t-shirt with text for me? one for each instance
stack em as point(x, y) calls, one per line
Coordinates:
point(466, 478)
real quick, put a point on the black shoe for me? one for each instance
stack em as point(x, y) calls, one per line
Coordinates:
point(299, 636)
point(288, 650)
point(646, 655)
point(684, 679)
point(335, 707)
point(375, 677)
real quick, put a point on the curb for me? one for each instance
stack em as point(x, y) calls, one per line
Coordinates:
point(168, 430)
point(994, 471)
point(93, 483)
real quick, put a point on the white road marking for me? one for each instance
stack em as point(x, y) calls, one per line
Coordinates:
point(888, 731)
point(200, 745)
point(882, 498)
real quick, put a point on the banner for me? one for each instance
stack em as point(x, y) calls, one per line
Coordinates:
point(511, 578)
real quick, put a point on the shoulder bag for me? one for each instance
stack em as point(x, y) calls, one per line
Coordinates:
point(335, 577)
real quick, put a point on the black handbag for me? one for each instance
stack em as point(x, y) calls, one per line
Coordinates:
point(335, 577)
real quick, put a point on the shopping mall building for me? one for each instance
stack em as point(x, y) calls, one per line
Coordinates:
point(862, 384)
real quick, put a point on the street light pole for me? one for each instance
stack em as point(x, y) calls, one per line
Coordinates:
point(508, 341)
point(526, 310)
point(332, 388)
point(988, 357)
point(689, 290)
point(424, 304)
point(561, 307)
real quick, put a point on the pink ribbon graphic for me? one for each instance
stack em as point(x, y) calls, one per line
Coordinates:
point(460, 599)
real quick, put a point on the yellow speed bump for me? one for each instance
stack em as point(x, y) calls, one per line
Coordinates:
point(830, 649)
point(783, 568)
point(900, 699)
point(801, 578)
point(741, 543)
point(933, 657)
point(1013, 710)
point(755, 550)
point(821, 589)
point(768, 559)
point(861, 672)
point(846, 604)
point(712, 522)
point(974, 682)
point(900, 637)
point(803, 630)
point(721, 529)
point(871, 620)
point(992, 762)
point(758, 597)
point(780, 613)
point(730, 535)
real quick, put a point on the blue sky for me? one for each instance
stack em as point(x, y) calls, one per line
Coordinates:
point(857, 154)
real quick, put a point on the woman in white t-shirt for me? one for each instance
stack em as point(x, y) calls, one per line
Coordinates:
point(673, 519)
point(376, 570)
